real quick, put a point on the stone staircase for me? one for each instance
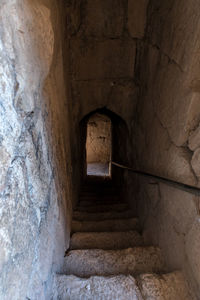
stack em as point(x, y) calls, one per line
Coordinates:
point(108, 260)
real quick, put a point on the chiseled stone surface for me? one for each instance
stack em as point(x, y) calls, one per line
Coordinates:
point(171, 214)
point(105, 240)
point(194, 139)
point(105, 225)
point(192, 249)
point(195, 162)
point(84, 216)
point(169, 106)
point(86, 263)
point(172, 286)
point(91, 59)
point(98, 15)
point(106, 288)
point(33, 226)
point(137, 15)
point(88, 95)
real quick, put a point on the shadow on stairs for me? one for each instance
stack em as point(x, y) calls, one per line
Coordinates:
point(107, 259)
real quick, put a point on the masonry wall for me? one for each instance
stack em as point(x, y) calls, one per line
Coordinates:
point(35, 188)
point(170, 219)
point(102, 42)
point(168, 111)
point(166, 132)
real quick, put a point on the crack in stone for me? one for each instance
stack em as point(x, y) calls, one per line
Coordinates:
point(171, 60)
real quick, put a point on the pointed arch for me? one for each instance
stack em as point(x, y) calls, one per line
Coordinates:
point(119, 140)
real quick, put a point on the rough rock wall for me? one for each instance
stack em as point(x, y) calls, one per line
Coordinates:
point(170, 218)
point(34, 199)
point(98, 144)
point(167, 127)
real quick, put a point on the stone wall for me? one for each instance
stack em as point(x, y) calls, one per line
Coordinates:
point(103, 40)
point(170, 218)
point(35, 160)
point(102, 48)
point(165, 133)
point(168, 111)
point(98, 144)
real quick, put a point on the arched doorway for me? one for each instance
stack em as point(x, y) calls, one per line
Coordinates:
point(119, 141)
point(99, 145)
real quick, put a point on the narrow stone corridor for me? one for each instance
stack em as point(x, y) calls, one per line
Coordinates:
point(89, 88)
point(107, 258)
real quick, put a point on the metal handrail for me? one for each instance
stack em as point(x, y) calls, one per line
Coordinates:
point(180, 185)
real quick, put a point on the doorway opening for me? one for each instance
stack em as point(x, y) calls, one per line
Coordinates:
point(99, 145)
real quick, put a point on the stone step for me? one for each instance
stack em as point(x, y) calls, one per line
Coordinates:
point(105, 240)
point(131, 261)
point(92, 202)
point(100, 191)
point(106, 225)
point(102, 188)
point(95, 288)
point(103, 207)
point(84, 216)
point(172, 286)
point(100, 198)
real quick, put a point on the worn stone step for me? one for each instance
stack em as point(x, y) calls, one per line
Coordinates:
point(133, 261)
point(95, 288)
point(100, 200)
point(103, 207)
point(172, 286)
point(106, 225)
point(100, 191)
point(105, 240)
point(84, 216)
point(92, 202)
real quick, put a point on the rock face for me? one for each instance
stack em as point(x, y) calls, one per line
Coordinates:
point(32, 144)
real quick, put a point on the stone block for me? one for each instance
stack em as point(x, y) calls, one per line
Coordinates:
point(192, 249)
point(194, 139)
point(196, 162)
point(137, 12)
point(173, 28)
point(120, 96)
point(104, 18)
point(92, 59)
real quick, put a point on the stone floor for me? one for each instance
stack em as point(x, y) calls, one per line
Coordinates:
point(98, 169)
